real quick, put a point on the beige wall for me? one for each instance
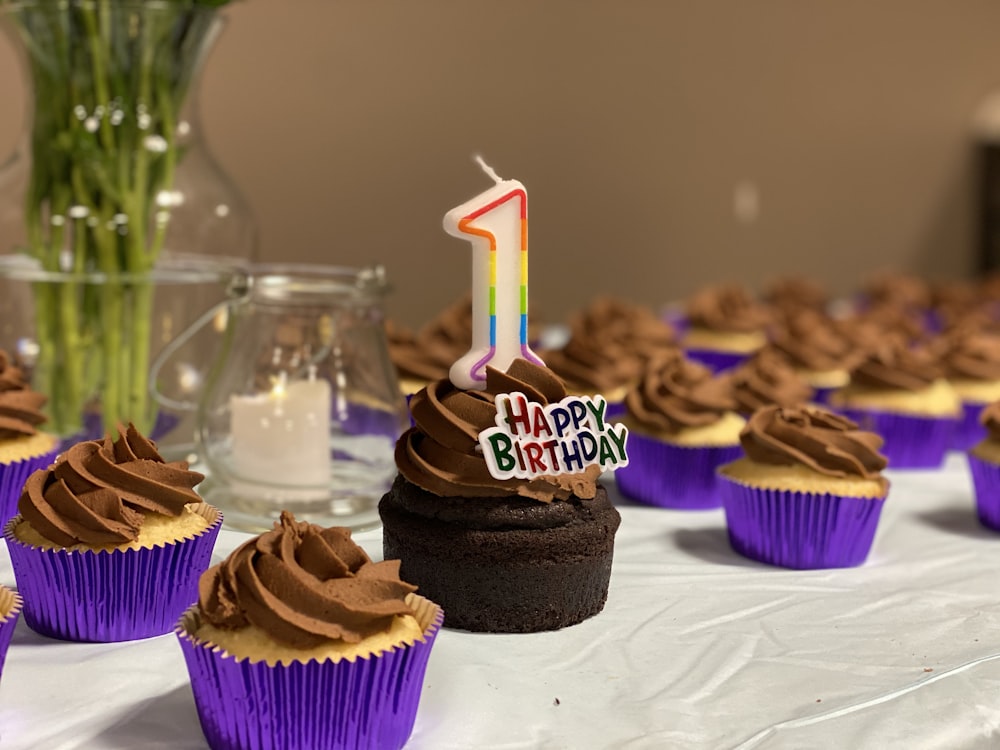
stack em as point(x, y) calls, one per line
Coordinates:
point(351, 125)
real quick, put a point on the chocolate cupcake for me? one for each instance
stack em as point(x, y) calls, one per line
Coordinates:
point(499, 555)
point(971, 361)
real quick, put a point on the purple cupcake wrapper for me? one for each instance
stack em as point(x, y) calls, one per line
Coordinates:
point(821, 394)
point(799, 530)
point(986, 482)
point(12, 602)
point(615, 410)
point(911, 442)
point(368, 703)
point(968, 431)
point(101, 596)
point(673, 476)
point(12, 479)
point(718, 361)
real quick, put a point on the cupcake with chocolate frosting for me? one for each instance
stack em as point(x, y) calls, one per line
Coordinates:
point(900, 392)
point(609, 341)
point(808, 491)
point(23, 448)
point(499, 555)
point(682, 425)
point(725, 326)
point(109, 541)
point(328, 647)
point(818, 352)
point(984, 463)
point(971, 361)
point(10, 608)
point(767, 379)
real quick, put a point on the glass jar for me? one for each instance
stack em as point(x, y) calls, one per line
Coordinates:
point(302, 408)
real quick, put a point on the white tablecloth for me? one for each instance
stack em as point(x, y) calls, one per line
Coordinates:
point(696, 648)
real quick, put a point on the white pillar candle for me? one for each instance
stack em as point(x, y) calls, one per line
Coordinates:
point(283, 437)
point(496, 223)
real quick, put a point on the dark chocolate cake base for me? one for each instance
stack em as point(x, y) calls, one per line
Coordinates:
point(502, 565)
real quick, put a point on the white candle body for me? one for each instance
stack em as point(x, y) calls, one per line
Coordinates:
point(507, 223)
point(283, 437)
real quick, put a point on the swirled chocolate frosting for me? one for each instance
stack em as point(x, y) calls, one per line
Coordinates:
point(675, 393)
point(895, 366)
point(20, 407)
point(96, 491)
point(303, 585)
point(796, 293)
point(727, 307)
point(767, 378)
point(441, 452)
point(609, 342)
point(972, 355)
point(898, 289)
point(821, 440)
point(810, 341)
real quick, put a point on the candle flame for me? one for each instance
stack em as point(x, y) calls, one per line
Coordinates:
point(279, 385)
point(488, 169)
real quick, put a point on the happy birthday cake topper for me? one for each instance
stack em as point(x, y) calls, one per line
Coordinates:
point(532, 440)
point(496, 223)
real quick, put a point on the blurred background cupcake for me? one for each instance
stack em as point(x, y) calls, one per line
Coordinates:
point(609, 342)
point(767, 379)
point(10, 608)
point(682, 425)
point(820, 353)
point(299, 640)
point(899, 392)
point(427, 355)
point(23, 448)
point(726, 325)
point(808, 492)
point(984, 463)
point(109, 541)
point(971, 362)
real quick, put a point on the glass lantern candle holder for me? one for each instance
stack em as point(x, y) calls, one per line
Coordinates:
point(302, 409)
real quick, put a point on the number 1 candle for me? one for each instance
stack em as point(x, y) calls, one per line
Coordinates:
point(496, 223)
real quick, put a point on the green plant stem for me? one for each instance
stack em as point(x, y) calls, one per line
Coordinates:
point(90, 60)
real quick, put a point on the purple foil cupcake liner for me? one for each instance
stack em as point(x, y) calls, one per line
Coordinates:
point(366, 703)
point(986, 481)
point(799, 530)
point(718, 361)
point(12, 478)
point(911, 442)
point(11, 604)
point(968, 431)
point(102, 596)
point(821, 394)
point(615, 410)
point(673, 476)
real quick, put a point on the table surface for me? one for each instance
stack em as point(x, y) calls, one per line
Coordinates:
point(696, 648)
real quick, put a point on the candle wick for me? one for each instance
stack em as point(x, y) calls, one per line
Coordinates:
point(488, 169)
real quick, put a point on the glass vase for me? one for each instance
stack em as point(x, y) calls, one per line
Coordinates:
point(122, 226)
point(302, 408)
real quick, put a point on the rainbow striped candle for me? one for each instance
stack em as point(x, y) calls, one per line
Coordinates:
point(496, 223)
